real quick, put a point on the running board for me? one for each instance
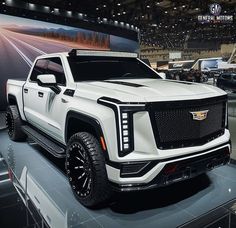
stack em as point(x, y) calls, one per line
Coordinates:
point(52, 147)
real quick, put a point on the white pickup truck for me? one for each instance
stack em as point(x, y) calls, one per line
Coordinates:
point(119, 125)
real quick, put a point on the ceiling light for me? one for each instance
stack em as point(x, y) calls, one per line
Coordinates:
point(166, 12)
point(175, 8)
point(183, 6)
point(104, 5)
point(148, 6)
point(97, 8)
point(31, 6)
point(118, 4)
point(118, 14)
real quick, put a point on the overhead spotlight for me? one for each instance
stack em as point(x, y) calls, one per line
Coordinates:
point(97, 8)
point(183, 6)
point(47, 8)
point(69, 13)
point(56, 10)
point(148, 6)
point(166, 12)
point(104, 6)
point(118, 4)
point(124, 12)
point(175, 8)
point(31, 6)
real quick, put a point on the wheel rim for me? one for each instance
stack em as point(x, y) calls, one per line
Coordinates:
point(9, 123)
point(79, 170)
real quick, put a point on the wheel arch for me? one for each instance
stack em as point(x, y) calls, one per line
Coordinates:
point(78, 122)
point(12, 100)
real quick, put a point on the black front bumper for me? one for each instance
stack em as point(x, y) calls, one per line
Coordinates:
point(181, 170)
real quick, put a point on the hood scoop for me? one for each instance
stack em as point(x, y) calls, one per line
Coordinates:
point(125, 83)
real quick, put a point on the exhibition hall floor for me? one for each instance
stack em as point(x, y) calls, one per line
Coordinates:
point(48, 190)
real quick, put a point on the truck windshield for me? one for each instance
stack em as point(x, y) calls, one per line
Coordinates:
point(104, 68)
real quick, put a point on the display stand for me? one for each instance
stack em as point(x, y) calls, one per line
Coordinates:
point(43, 186)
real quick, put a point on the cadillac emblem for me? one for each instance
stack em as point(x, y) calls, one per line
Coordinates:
point(200, 115)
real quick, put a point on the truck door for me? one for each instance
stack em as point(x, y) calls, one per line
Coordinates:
point(33, 96)
point(43, 108)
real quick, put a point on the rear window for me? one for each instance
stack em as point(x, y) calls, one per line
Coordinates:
point(104, 68)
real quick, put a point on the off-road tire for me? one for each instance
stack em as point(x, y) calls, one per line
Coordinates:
point(14, 124)
point(86, 171)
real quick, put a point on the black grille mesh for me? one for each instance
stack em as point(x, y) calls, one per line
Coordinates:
point(176, 128)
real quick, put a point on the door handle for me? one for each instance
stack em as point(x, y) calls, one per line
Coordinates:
point(25, 90)
point(40, 94)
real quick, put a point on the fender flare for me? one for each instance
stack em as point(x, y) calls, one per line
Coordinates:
point(87, 120)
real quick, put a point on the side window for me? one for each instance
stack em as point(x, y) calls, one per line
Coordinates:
point(55, 67)
point(39, 68)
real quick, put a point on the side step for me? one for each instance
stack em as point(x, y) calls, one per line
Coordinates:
point(44, 142)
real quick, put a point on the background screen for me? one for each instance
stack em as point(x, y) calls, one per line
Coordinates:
point(22, 40)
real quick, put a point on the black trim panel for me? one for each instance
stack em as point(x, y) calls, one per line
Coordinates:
point(180, 170)
point(85, 119)
point(151, 164)
point(69, 92)
point(117, 106)
point(125, 83)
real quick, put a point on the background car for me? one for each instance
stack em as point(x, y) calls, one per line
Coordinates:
point(227, 81)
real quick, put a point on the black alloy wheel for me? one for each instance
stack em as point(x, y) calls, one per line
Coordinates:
point(86, 170)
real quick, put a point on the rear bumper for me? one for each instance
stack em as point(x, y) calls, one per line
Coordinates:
point(171, 171)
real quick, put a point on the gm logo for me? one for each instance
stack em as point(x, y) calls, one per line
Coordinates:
point(215, 9)
point(200, 115)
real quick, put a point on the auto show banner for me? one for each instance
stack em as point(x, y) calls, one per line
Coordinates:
point(22, 40)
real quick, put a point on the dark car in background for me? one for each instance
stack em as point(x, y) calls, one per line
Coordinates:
point(227, 81)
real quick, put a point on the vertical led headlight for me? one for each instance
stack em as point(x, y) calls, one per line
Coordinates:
point(124, 122)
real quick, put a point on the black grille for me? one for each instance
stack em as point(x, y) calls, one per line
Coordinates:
point(174, 127)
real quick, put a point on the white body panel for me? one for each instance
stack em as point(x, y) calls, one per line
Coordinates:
point(49, 113)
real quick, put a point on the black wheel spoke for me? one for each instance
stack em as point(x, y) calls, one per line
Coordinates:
point(79, 170)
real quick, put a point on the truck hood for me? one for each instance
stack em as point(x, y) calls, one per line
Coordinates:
point(147, 90)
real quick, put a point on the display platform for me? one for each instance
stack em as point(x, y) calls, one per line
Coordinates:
point(43, 186)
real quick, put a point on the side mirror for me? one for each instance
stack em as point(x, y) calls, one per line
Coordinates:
point(48, 80)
